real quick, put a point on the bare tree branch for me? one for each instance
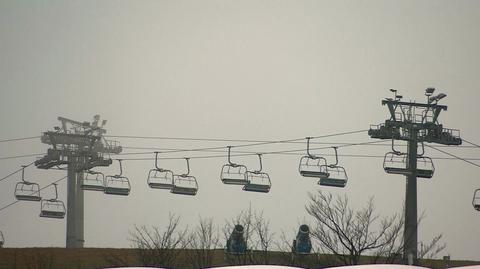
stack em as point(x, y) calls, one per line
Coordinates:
point(158, 247)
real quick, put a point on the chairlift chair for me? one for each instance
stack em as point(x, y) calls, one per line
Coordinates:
point(93, 181)
point(425, 167)
point(337, 175)
point(258, 181)
point(2, 240)
point(476, 200)
point(396, 163)
point(232, 173)
point(27, 191)
point(311, 165)
point(52, 208)
point(184, 183)
point(117, 184)
point(159, 178)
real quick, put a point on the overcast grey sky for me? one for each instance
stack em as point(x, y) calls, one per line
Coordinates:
point(262, 70)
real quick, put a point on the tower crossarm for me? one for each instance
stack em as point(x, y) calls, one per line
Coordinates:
point(401, 103)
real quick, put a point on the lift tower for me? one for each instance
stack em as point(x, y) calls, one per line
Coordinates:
point(414, 123)
point(76, 147)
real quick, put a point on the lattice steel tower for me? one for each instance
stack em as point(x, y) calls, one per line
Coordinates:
point(414, 123)
point(76, 147)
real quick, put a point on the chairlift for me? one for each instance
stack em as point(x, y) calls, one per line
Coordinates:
point(476, 200)
point(117, 184)
point(159, 178)
point(232, 173)
point(93, 181)
point(2, 240)
point(52, 208)
point(425, 167)
point(258, 181)
point(395, 162)
point(311, 165)
point(184, 183)
point(27, 191)
point(337, 175)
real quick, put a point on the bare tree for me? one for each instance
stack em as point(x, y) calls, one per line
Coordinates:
point(347, 233)
point(392, 252)
point(202, 242)
point(264, 236)
point(286, 248)
point(159, 247)
point(431, 249)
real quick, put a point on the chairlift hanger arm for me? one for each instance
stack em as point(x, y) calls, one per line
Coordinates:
point(56, 192)
point(188, 167)
point(423, 150)
point(336, 157)
point(260, 159)
point(23, 173)
point(229, 162)
point(393, 147)
point(156, 161)
point(308, 148)
point(121, 170)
